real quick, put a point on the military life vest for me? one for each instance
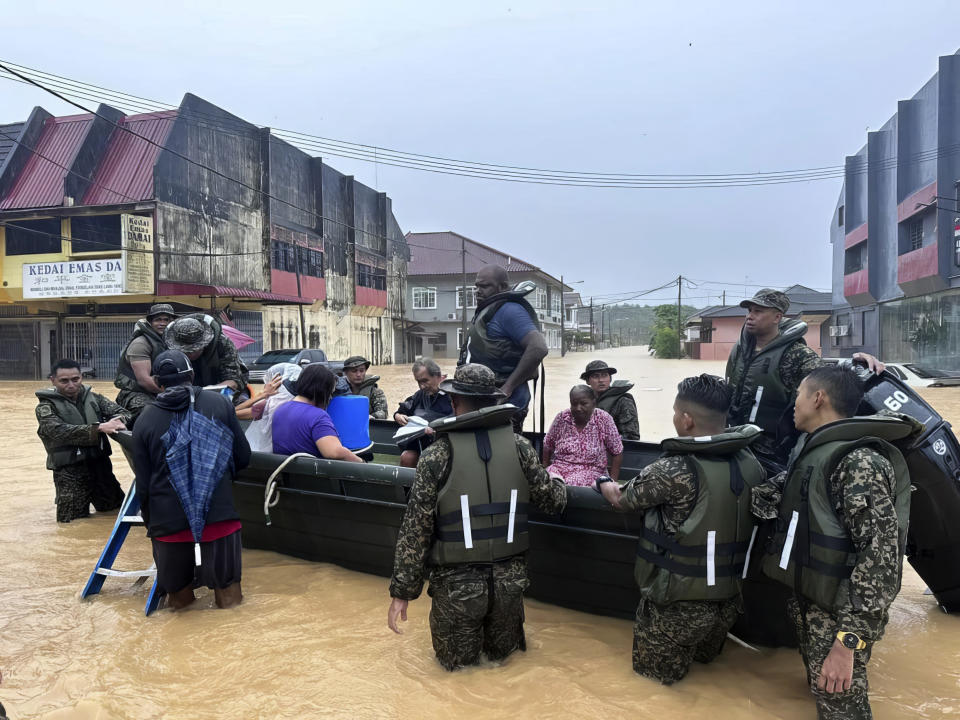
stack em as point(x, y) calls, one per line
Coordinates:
point(759, 395)
point(126, 379)
point(706, 558)
point(609, 397)
point(83, 412)
point(206, 368)
point(499, 354)
point(811, 550)
point(366, 387)
point(482, 508)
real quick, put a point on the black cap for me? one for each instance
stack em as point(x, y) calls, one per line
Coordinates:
point(172, 367)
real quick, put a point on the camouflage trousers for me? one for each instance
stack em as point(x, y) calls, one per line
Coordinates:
point(816, 631)
point(83, 483)
point(477, 609)
point(668, 638)
point(135, 402)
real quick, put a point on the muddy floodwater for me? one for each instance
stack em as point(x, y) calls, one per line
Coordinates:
point(310, 640)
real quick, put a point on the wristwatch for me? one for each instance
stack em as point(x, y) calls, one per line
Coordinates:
point(603, 479)
point(851, 641)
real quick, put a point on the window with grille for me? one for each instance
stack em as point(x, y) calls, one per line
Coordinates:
point(371, 277)
point(471, 296)
point(27, 237)
point(916, 234)
point(424, 298)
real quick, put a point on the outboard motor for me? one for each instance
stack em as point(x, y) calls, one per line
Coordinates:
point(933, 540)
point(351, 417)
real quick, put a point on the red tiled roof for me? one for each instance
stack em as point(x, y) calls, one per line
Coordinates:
point(40, 183)
point(177, 288)
point(126, 172)
point(439, 254)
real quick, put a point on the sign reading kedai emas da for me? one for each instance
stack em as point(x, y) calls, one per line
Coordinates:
point(73, 278)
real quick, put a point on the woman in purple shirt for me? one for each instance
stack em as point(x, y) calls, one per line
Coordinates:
point(303, 425)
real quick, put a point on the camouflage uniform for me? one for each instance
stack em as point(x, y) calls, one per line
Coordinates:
point(476, 608)
point(89, 480)
point(862, 490)
point(797, 362)
point(624, 413)
point(378, 403)
point(668, 638)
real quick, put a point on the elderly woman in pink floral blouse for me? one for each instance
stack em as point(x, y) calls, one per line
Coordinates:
point(583, 443)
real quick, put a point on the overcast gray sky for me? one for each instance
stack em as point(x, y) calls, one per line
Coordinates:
point(626, 87)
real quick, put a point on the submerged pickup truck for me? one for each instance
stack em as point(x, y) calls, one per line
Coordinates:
point(299, 356)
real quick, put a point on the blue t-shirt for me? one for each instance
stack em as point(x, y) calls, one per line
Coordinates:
point(510, 321)
point(297, 426)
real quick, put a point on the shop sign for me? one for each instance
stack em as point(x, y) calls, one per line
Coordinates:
point(73, 278)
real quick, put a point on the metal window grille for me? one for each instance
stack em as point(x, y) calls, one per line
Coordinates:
point(916, 235)
point(251, 323)
point(97, 343)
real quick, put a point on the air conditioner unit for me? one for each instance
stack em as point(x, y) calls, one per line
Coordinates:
point(839, 330)
point(453, 316)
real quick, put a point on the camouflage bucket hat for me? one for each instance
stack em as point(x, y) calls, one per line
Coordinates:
point(597, 366)
point(188, 335)
point(473, 379)
point(355, 361)
point(161, 309)
point(768, 298)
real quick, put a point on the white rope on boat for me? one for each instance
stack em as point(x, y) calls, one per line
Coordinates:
point(270, 494)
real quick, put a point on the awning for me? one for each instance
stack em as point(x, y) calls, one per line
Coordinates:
point(172, 288)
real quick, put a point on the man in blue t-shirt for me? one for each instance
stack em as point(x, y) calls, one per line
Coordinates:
point(505, 336)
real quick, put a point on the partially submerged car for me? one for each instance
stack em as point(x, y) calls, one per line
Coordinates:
point(298, 356)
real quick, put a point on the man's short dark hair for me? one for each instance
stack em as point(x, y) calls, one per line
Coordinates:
point(709, 392)
point(583, 390)
point(64, 364)
point(841, 385)
point(316, 384)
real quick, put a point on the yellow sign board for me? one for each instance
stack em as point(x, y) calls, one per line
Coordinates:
point(136, 235)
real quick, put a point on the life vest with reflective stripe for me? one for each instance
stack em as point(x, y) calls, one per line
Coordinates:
point(705, 559)
point(501, 355)
point(126, 379)
point(482, 508)
point(811, 550)
point(759, 395)
point(83, 412)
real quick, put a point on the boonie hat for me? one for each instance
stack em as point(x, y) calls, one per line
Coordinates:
point(768, 298)
point(161, 309)
point(473, 379)
point(171, 367)
point(355, 361)
point(188, 335)
point(597, 366)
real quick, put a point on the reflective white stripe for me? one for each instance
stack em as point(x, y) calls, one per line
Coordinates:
point(788, 543)
point(746, 560)
point(756, 404)
point(711, 553)
point(196, 552)
point(703, 438)
point(513, 515)
point(465, 514)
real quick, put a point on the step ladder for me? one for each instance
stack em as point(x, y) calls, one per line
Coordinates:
point(129, 515)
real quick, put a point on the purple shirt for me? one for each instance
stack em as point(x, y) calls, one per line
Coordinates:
point(297, 426)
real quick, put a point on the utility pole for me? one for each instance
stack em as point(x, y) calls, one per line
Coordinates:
point(592, 340)
point(724, 302)
point(679, 328)
point(463, 312)
point(563, 318)
point(303, 324)
point(401, 291)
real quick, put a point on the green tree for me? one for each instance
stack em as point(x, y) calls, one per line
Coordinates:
point(665, 343)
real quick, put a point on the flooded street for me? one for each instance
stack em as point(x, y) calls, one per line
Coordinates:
point(310, 640)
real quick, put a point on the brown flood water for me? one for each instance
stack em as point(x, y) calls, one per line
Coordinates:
point(310, 640)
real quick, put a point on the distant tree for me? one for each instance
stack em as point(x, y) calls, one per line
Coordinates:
point(665, 343)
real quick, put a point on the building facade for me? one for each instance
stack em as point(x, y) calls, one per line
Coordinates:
point(896, 235)
point(712, 333)
point(103, 214)
point(435, 309)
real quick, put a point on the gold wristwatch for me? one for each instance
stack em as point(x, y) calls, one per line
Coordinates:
point(851, 641)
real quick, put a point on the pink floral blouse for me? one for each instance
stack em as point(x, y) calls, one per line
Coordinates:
point(580, 456)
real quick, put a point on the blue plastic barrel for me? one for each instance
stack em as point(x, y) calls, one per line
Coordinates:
point(351, 417)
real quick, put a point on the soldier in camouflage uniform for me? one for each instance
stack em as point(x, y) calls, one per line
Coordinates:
point(355, 370)
point(614, 398)
point(477, 569)
point(74, 423)
point(841, 512)
point(212, 354)
point(134, 371)
point(697, 530)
